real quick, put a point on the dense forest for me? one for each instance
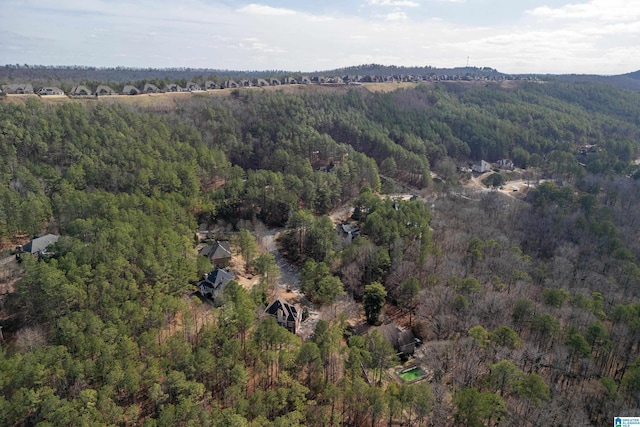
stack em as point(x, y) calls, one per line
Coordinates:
point(527, 305)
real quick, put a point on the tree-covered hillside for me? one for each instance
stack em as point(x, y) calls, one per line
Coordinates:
point(526, 304)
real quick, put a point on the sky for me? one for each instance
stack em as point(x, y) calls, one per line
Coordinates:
point(512, 36)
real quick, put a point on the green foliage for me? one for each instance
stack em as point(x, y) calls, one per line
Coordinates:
point(522, 311)
point(480, 335)
point(309, 236)
point(494, 180)
point(318, 284)
point(107, 335)
point(384, 221)
point(506, 337)
point(383, 355)
point(555, 297)
point(476, 409)
point(577, 344)
point(248, 247)
point(533, 387)
point(545, 325)
point(503, 376)
point(374, 298)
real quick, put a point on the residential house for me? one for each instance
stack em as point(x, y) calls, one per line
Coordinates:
point(104, 90)
point(481, 167)
point(48, 91)
point(230, 84)
point(208, 85)
point(261, 83)
point(287, 315)
point(173, 88)
point(289, 81)
point(38, 246)
point(214, 283)
point(305, 80)
point(130, 90)
point(80, 90)
point(219, 253)
point(245, 83)
point(150, 88)
point(505, 163)
point(274, 82)
point(17, 89)
point(402, 340)
point(192, 87)
point(349, 231)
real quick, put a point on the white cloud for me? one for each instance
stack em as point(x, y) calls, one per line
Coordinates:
point(393, 3)
point(261, 9)
point(599, 10)
point(589, 36)
point(395, 16)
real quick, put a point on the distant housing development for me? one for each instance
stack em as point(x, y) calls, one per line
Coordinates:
point(194, 86)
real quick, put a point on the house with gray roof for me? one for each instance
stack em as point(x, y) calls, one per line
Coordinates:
point(38, 246)
point(80, 90)
point(287, 315)
point(192, 87)
point(17, 89)
point(402, 340)
point(130, 90)
point(219, 253)
point(213, 284)
point(150, 88)
point(50, 91)
point(209, 84)
point(103, 90)
point(481, 167)
point(173, 88)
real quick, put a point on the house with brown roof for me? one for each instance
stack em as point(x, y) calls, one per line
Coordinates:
point(287, 315)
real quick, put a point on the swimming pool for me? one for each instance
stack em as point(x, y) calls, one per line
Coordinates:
point(411, 374)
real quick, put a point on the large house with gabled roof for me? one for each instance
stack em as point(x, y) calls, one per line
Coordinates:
point(287, 315)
